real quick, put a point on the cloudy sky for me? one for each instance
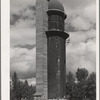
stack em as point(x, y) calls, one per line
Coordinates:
point(80, 24)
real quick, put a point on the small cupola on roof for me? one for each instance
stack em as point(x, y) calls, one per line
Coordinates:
point(55, 5)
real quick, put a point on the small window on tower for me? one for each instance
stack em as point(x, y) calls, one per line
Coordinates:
point(54, 18)
point(56, 41)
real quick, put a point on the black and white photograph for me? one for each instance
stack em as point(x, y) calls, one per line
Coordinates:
point(53, 50)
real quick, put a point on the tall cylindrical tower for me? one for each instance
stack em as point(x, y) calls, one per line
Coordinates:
point(56, 50)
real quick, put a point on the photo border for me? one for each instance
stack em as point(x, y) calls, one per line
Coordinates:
point(5, 50)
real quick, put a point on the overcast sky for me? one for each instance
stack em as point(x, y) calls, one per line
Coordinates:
point(80, 24)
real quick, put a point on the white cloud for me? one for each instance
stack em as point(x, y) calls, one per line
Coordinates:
point(18, 5)
point(23, 31)
point(29, 13)
point(21, 23)
point(77, 4)
point(81, 55)
point(22, 36)
point(31, 81)
point(82, 36)
point(89, 12)
point(80, 23)
point(81, 51)
point(23, 62)
point(82, 18)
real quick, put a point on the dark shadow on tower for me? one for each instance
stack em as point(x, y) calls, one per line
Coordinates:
point(56, 38)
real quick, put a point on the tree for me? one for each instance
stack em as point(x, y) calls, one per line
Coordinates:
point(91, 87)
point(75, 93)
point(15, 92)
point(69, 84)
point(70, 77)
point(81, 74)
point(32, 90)
point(20, 90)
point(25, 90)
point(84, 89)
point(26, 82)
point(15, 80)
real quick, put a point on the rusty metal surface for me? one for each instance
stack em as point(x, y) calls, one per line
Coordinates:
point(56, 56)
point(56, 67)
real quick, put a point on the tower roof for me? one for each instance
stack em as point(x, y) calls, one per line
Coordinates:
point(55, 5)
